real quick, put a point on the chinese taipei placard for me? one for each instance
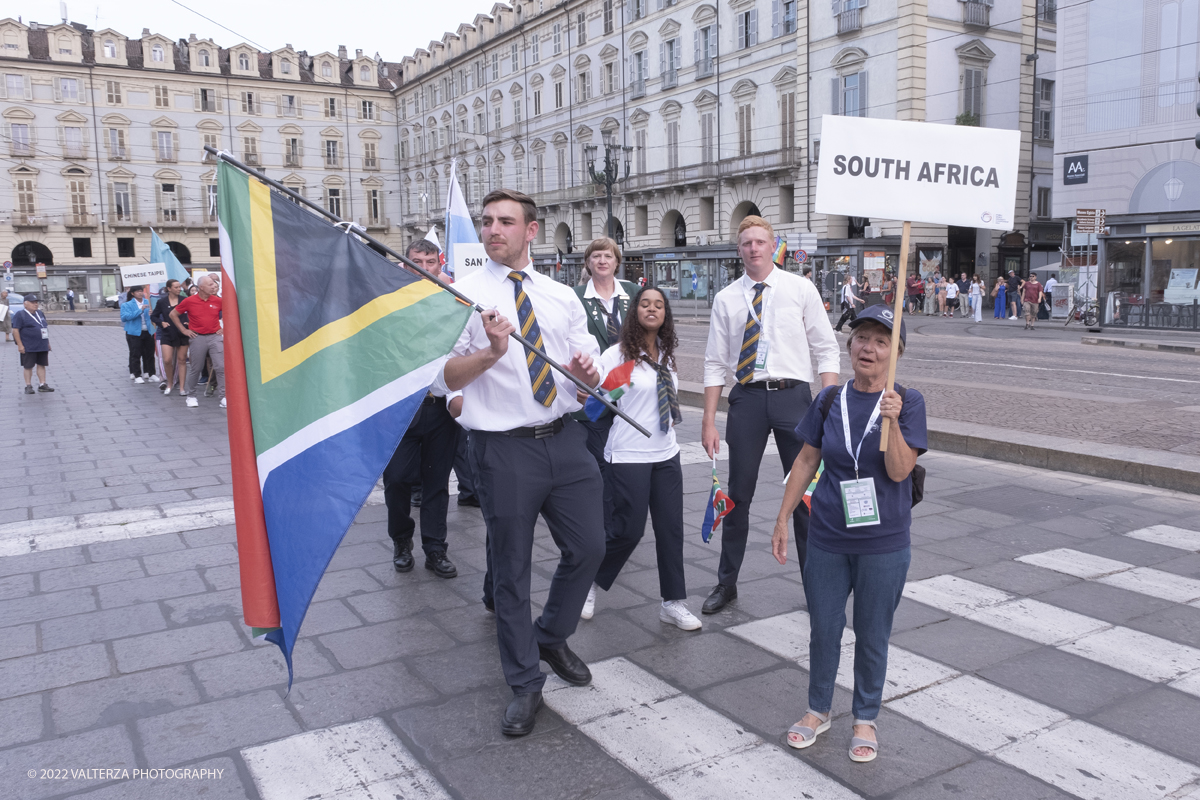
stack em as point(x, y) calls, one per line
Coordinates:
point(918, 171)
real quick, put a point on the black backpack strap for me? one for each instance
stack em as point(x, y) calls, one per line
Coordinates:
point(827, 403)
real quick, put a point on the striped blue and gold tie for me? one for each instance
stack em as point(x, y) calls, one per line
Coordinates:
point(750, 336)
point(542, 381)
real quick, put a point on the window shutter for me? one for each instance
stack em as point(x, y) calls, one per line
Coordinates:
point(58, 90)
point(774, 18)
point(196, 99)
point(836, 91)
point(696, 44)
point(174, 144)
point(28, 89)
point(33, 136)
point(299, 107)
point(741, 31)
point(862, 94)
point(133, 203)
point(112, 203)
point(837, 7)
point(279, 105)
point(217, 95)
point(662, 57)
point(660, 5)
point(62, 137)
point(752, 34)
point(158, 202)
point(678, 53)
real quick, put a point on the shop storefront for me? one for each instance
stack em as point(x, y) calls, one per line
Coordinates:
point(1149, 276)
point(870, 261)
point(90, 284)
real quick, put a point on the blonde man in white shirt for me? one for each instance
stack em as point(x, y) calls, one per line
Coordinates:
point(767, 327)
point(529, 456)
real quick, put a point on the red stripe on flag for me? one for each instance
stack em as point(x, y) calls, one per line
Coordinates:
point(260, 605)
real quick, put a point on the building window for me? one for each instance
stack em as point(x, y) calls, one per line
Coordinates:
point(68, 89)
point(787, 14)
point(125, 248)
point(1043, 202)
point(250, 150)
point(364, 73)
point(850, 95)
point(745, 117)
point(673, 144)
point(73, 143)
point(787, 115)
point(747, 29)
point(1043, 112)
point(535, 49)
point(498, 176)
point(706, 137)
point(331, 108)
point(668, 62)
point(333, 201)
point(112, 90)
point(607, 15)
point(157, 54)
point(639, 8)
point(514, 58)
point(291, 152)
point(519, 173)
point(560, 157)
point(370, 160)
point(367, 110)
point(209, 100)
point(705, 51)
point(110, 48)
point(285, 66)
point(537, 102)
point(496, 120)
point(122, 207)
point(374, 205)
point(580, 29)
point(205, 60)
point(210, 140)
point(558, 95)
point(244, 62)
point(168, 203)
point(82, 247)
point(495, 66)
point(250, 103)
point(972, 106)
point(162, 96)
point(517, 111)
point(539, 180)
point(639, 139)
point(584, 87)
point(164, 145)
point(116, 144)
point(214, 248)
point(19, 139)
point(609, 78)
point(289, 106)
point(556, 38)
point(332, 153)
point(25, 197)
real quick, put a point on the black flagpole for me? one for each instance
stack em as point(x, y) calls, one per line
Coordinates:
point(383, 248)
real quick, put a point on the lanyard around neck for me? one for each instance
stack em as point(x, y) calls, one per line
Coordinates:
point(846, 426)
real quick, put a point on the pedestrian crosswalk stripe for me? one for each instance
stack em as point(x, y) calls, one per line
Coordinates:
point(1170, 536)
point(1141, 654)
point(682, 747)
point(1130, 577)
point(361, 760)
point(1078, 757)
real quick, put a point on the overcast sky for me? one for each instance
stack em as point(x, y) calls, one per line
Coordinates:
point(394, 29)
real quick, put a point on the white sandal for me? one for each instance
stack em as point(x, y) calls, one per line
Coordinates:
point(808, 735)
point(856, 742)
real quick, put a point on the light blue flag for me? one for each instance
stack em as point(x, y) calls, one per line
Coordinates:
point(160, 253)
point(459, 227)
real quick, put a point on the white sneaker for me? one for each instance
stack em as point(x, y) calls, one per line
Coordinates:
point(192, 402)
point(166, 391)
point(1012, 317)
point(132, 376)
point(676, 612)
point(139, 379)
point(589, 605)
point(222, 402)
point(152, 379)
point(182, 392)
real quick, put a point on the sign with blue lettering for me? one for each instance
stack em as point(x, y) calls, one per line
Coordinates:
point(919, 172)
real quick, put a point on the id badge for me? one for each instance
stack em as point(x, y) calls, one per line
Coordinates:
point(859, 503)
point(761, 361)
point(45, 333)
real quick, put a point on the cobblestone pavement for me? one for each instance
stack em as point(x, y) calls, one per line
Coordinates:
point(1048, 645)
point(1045, 381)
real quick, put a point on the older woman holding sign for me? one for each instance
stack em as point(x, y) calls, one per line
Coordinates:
point(858, 539)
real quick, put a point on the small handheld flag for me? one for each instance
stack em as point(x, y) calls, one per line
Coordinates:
point(719, 505)
point(614, 386)
point(812, 487)
point(780, 250)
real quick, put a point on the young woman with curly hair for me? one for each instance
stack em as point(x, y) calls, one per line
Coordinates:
point(646, 474)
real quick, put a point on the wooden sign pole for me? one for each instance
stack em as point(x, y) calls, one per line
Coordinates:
point(900, 290)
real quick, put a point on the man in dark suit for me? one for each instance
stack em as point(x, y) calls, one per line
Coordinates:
point(606, 301)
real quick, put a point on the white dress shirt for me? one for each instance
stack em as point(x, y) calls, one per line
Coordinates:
point(795, 326)
point(640, 401)
point(502, 397)
point(609, 304)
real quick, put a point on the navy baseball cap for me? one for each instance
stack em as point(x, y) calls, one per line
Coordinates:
point(32, 298)
point(881, 314)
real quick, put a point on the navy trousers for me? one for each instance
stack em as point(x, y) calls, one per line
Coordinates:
point(462, 467)
point(516, 480)
point(754, 413)
point(656, 488)
point(596, 440)
point(423, 459)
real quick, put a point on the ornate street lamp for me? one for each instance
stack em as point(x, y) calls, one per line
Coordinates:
point(609, 174)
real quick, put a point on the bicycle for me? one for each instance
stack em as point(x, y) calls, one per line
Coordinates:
point(1087, 311)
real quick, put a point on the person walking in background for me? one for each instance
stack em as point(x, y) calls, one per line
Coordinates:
point(135, 316)
point(646, 474)
point(964, 295)
point(1048, 290)
point(1031, 295)
point(849, 300)
point(70, 299)
point(31, 332)
point(173, 341)
point(975, 293)
point(856, 547)
point(949, 298)
point(203, 330)
point(1014, 294)
point(916, 291)
point(930, 296)
point(1000, 295)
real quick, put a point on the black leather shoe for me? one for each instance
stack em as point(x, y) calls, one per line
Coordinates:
point(440, 565)
point(469, 500)
point(566, 665)
point(402, 558)
point(521, 714)
point(415, 502)
point(720, 597)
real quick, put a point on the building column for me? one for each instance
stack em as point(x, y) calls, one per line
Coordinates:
point(911, 37)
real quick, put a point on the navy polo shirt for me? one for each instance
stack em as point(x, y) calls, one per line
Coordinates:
point(30, 326)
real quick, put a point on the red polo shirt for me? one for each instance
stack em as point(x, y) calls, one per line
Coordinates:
point(204, 316)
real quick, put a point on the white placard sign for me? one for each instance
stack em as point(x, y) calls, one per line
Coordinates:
point(142, 274)
point(468, 258)
point(918, 172)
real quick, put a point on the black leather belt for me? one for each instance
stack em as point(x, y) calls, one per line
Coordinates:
point(772, 386)
point(537, 431)
point(430, 399)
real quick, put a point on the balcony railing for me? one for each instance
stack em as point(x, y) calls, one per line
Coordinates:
point(704, 69)
point(637, 88)
point(75, 152)
point(375, 223)
point(251, 159)
point(20, 149)
point(22, 220)
point(670, 79)
point(290, 160)
point(755, 164)
point(976, 14)
point(123, 221)
point(80, 220)
point(370, 163)
point(849, 20)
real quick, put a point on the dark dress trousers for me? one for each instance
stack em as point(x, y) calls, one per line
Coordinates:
point(422, 459)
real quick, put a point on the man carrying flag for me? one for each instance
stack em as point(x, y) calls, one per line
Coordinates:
point(766, 328)
point(529, 456)
point(719, 505)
